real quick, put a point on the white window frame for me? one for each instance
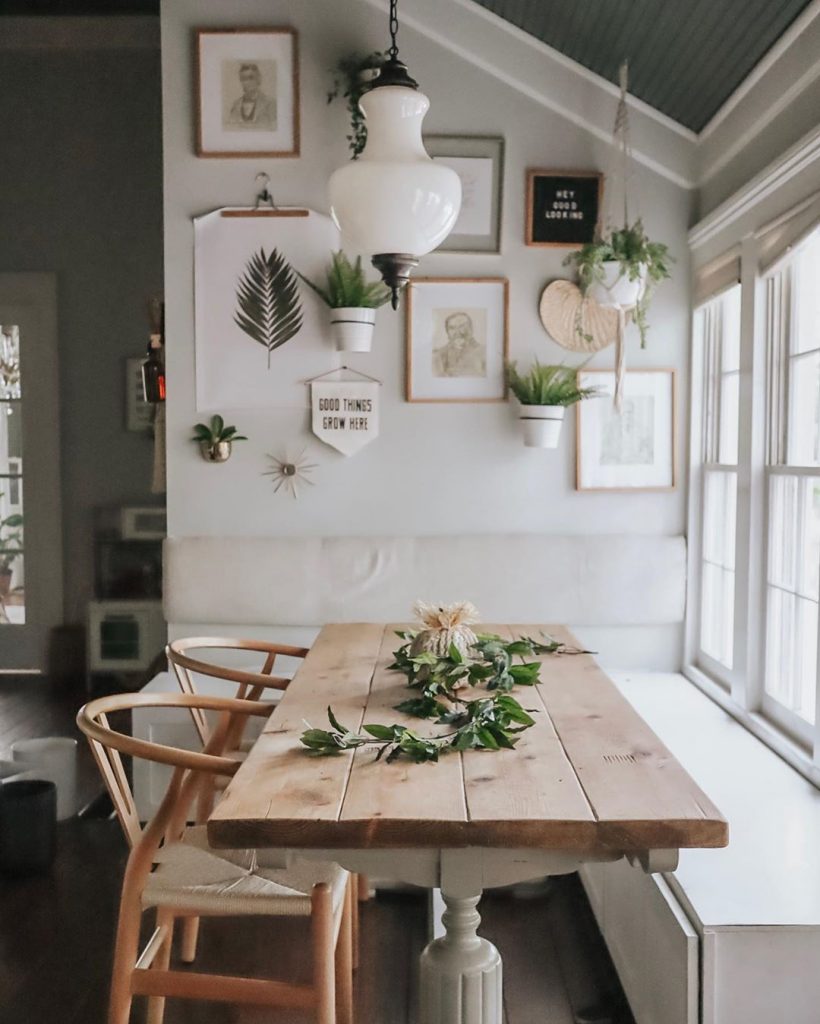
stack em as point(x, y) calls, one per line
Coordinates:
point(740, 690)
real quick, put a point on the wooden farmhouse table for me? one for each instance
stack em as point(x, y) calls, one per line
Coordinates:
point(589, 781)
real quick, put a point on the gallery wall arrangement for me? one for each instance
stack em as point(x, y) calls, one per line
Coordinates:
point(276, 295)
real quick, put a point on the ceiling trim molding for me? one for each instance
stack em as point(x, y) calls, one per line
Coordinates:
point(123, 32)
point(580, 69)
point(782, 103)
point(763, 66)
point(556, 82)
point(770, 180)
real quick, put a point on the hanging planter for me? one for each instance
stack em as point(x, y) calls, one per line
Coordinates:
point(619, 269)
point(352, 300)
point(544, 393)
point(616, 288)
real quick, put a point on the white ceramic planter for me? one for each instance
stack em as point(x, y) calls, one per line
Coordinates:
point(617, 289)
point(352, 328)
point(541, 425)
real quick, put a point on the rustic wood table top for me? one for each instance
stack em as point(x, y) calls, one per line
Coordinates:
point(589, 777)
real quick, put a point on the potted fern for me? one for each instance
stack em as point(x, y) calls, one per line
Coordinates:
point(620, 270)
point(352, 300)
point(544, 392)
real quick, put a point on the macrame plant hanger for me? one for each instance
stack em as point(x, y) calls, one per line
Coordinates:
point(620, 139)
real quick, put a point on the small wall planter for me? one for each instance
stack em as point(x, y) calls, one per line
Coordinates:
point(352, 328)
point(541, 425)
point(617, 289)
point(219, 451)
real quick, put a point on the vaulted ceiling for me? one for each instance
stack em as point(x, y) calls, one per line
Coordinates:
point(686, 57)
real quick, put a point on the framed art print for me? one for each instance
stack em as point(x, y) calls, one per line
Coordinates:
point(633, 449)
point(456, 339)
point(247, 92)
point(563, 207)
point(478, 160)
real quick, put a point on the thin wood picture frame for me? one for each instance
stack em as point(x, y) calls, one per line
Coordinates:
point(561, 213)
point(263, 108)
point(636, 426)
point(481, 359)
point(479, 162)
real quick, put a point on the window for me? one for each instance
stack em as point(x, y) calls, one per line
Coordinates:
point(792, 492)
point(717, 339)
point(12, 592)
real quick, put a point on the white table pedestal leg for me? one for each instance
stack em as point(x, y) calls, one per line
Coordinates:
point(460, 973)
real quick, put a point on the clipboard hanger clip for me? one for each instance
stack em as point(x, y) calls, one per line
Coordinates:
point(264, 196)
point(348, 369)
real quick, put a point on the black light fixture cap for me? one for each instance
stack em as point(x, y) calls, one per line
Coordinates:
point(393, 72)
point(395, 268)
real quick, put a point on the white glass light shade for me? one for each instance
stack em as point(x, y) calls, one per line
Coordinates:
point(394, 198)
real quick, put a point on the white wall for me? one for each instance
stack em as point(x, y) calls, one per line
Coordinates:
point(435, 468)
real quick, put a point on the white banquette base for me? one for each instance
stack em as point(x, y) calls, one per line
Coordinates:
point(733, 935)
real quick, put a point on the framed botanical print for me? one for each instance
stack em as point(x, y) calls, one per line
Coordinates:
point(633, 449)
point(247, 92)
point(478, 160)
point(456, 339)
point(563, 207)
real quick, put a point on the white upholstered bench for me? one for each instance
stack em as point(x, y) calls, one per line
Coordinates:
point(733, 935)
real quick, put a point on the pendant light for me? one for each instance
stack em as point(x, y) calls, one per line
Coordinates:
point(394, 203)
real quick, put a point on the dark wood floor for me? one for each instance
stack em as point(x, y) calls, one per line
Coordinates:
point(56, 930)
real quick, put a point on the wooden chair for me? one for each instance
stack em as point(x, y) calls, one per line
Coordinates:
point(251, 686)
point(172, 869)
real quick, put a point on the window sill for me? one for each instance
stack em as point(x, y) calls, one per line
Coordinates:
point(790, 751)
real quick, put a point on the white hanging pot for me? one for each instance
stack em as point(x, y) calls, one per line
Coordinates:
point(616, 288)
point(352, 328)
point(541, 425)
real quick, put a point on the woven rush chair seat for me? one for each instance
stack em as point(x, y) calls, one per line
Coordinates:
point(191, 876)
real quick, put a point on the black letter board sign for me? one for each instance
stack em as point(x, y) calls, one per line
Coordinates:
point(563, 207)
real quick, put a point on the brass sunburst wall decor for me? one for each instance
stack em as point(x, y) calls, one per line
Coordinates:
point(290, 474)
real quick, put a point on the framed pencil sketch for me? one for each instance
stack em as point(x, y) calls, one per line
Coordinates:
point(478, 160)
point(630, 450)
point(563, 208)
point(247, 92)
point(456, 338)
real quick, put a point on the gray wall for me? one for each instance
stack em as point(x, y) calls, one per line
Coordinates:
point(81, 195)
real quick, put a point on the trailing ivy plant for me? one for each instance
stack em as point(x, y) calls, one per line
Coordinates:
point(630, 246)
point(485, 723)
point(351, 77)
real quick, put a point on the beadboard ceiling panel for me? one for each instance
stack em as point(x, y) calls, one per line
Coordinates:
point(686, 57)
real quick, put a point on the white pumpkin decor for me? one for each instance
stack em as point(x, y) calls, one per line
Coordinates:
point(445, 625)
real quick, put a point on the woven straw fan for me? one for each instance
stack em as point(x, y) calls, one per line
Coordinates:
point(576, 323)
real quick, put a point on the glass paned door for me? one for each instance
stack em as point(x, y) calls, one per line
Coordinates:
point(31, 571)
point(12, 518)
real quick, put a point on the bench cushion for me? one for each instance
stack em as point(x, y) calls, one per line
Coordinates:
point(308, 581)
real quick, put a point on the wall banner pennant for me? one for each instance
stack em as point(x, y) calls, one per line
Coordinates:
point(345, 413)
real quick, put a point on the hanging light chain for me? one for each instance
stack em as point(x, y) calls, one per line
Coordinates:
point(394, 29)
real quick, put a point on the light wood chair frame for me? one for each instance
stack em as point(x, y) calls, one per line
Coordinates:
point(250, 686)
point(148, 973)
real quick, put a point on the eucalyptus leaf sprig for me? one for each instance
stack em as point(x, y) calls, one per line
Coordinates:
point(487, 723)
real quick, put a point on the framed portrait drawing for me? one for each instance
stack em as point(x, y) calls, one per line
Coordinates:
point(633, 449)
point(456, 339)
point(563, 207)
point(478, 160)
point(247, 92)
